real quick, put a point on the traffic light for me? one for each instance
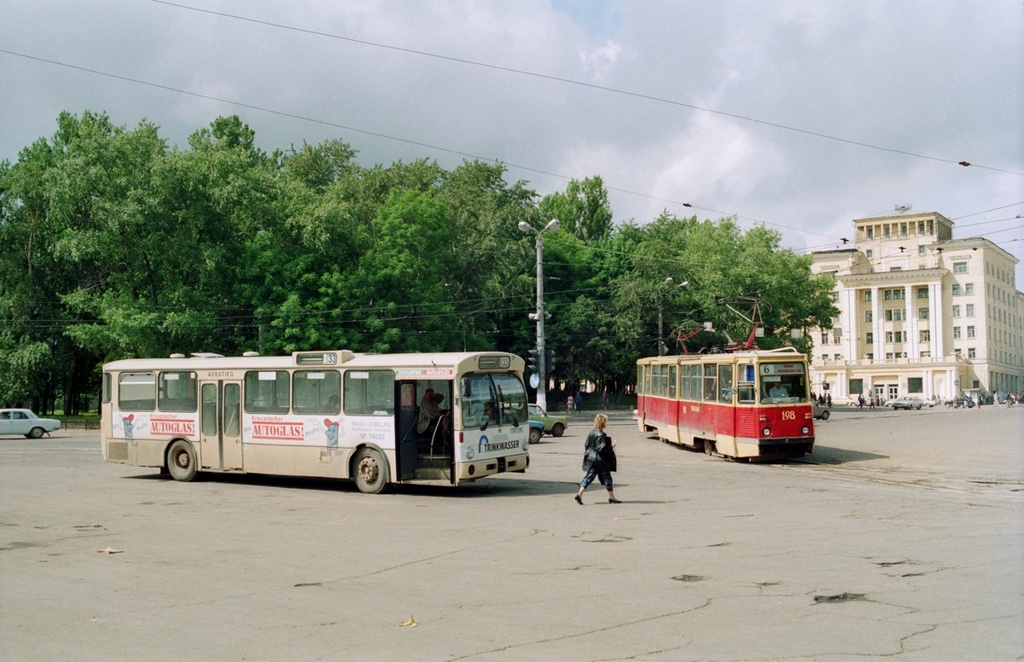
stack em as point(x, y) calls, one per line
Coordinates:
point(549, 361)
point(531, 361)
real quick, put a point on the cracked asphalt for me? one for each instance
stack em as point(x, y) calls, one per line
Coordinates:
point(901, 538)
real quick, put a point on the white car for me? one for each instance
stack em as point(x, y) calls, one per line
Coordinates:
point(25, 422)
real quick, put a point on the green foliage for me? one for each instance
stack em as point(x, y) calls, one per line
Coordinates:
point(117, 246)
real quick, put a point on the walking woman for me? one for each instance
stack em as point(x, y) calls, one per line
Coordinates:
point(598, 459)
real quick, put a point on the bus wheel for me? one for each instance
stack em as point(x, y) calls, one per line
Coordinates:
point(181, 461)
point(371, 471)
point(709, 447)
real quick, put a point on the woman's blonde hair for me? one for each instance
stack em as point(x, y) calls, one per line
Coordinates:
point(600, 421)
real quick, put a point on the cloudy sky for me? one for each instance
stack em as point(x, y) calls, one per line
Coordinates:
point(801, 115)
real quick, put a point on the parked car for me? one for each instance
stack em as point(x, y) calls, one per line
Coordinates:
point(553, 424)
point(536, 430)
point(907, 402)
point(820, 411)
point(25, 422)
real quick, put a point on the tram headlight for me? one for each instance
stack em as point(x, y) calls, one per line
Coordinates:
point(805, 430)
point(469, 453)
point(767, 432)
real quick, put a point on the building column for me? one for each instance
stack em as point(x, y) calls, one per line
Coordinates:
point(848, 321)
point(910, 328)
point(878, 347)
point(935, 319)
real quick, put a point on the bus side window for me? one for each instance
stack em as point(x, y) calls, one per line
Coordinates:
point(136, 391)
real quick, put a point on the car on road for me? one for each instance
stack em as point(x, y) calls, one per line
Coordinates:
point(536, 430)
point(907, 402)
point(553, 424)
point(25, 422)
point(820, 411)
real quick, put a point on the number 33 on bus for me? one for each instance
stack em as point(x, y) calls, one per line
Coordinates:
point(751, 405)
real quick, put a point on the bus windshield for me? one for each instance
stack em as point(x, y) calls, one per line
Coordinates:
point(782, 383)
point(493, 400)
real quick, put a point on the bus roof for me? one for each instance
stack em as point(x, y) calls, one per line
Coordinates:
point(321, 359)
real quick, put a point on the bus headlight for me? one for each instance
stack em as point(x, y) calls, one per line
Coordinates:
point(469, 453)
point(805, 430)
point(767, 432)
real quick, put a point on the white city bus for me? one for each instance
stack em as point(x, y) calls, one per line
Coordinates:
point(330, 414)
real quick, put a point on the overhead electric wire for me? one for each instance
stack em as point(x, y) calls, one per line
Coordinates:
point(570, 81)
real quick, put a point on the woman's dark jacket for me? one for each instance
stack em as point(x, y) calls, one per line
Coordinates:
point(598, 452)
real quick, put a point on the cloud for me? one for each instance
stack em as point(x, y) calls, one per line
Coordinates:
point(802, 94)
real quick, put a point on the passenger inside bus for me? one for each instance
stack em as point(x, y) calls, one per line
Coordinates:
point(429, 411)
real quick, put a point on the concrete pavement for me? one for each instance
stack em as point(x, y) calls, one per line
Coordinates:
point(901, 538)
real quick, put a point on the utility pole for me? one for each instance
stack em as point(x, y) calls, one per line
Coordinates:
point(538, 316)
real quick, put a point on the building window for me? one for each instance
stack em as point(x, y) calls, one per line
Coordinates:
point(922, 293)
point(956, 310)
point(869, 338)
point(970, 310)
point(956, 289)
point(837, 357)
point(867, 295)
point(824, 337)
point(956, 332)
point(888, 356)
point(922, 313)
point(897, 336)
point(968, 288)
point(824, 358)
point(970, 331)
point(920, 249)
point(959, 267)
point(894, 315)
point(970, 353)
point(926, 354)
point(868, 316)
point(869, 253)
point(894, 295)
point(837, 336)
point(871, 233)
point(895, 268)
point(888, 336)
point(956, 351)
point(925, 335)
point(870, 356)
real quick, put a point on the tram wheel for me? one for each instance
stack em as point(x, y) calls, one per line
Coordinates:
point(370, 471)
point(709, 447)
point(181, 461)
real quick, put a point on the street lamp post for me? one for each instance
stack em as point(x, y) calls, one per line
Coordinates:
point(542, 368)
point(661, 327)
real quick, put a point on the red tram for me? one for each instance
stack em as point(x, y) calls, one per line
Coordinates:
point(751, 405)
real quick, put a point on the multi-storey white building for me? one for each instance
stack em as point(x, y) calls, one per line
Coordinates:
point(920, 313)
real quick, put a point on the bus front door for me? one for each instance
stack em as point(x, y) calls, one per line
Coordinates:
point(220, 425)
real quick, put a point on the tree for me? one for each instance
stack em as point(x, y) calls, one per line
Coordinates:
point(583, 210)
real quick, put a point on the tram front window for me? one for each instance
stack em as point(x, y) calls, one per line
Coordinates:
point(777, 389)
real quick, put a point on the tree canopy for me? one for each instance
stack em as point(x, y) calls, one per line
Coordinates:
point(118, 245)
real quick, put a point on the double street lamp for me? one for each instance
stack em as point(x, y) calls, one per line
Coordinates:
point(542, 368)
point(661, 326)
